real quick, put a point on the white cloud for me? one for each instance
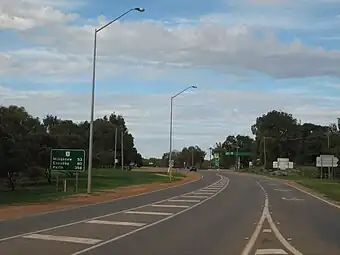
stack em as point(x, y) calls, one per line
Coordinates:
point(67, 50)
point(26, 14)
point(148, 50)
point(200, 118)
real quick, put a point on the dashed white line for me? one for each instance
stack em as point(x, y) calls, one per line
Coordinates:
point(266, 230)
point(172, 206)
point(203, 193)
point(188, 196)
point(119, 223)
point(270, 252)
point(150, 213)
point(184, 200)
point(69, 239)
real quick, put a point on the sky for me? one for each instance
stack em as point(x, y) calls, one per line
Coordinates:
point(246, 57)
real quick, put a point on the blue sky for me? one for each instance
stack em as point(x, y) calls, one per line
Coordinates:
point(246, 57)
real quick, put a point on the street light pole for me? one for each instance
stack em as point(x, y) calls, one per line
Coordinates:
point(96, 31)
point(171, 121)
point(116, 138)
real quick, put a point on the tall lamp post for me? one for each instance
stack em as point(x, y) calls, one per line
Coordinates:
point(171, 124)
point(96, 31)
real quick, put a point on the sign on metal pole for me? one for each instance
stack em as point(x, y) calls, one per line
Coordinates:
point(327, 161)
point(240, 153)
point(67, 160)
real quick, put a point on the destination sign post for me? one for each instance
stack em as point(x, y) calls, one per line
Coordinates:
point(68, 160)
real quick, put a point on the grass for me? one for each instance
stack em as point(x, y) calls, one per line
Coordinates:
point(306, 177)
point(102, 179)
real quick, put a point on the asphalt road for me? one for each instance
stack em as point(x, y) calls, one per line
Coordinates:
point(223, 213)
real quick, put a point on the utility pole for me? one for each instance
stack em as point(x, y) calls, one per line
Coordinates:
point(122, 149)
point(237, 157)
point(210, 150)
point(115, 149)
point(264, 152)
point(192, 158)
point(328, 146)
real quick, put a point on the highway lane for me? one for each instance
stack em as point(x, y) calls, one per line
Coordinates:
point(312, 226)
point(74, 238)
point(221, 225)
point(14, 227)
point(214, 219)
point(228, 213)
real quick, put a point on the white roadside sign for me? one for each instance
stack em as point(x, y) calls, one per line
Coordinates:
point(327, 161)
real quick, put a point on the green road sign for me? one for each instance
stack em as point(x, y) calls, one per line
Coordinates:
point(67, 160)
point(240, 153)
point(217, 162)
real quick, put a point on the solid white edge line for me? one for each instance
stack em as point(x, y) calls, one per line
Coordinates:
point(98, 217)
point(99, 203)
point(312, 195)
point(152, 224)
point(69, 239)
point(118, 223)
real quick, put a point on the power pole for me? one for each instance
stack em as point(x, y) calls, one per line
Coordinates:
point(115, 149)
point(264, 152)
point(122, 149)
point(192, 158)
point(210, 150)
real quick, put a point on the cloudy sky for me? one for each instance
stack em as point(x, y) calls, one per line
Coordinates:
point(247, 57)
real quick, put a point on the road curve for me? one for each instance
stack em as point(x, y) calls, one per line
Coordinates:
point(215, 215)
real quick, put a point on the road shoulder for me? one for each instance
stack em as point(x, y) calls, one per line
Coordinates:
point(80, 200)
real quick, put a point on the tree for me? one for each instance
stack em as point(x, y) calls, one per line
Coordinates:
point(26, 142)
point(188, 156)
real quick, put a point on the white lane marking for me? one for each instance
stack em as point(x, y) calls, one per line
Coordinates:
point(209, 190)
point(266, 216)
point(172, 206)
point(101, 216)
point(270, 252)
point(184, 200)
point(283, 190)
point(292, 199)
point(312, 195)
point(98, 203)
point(266, 230)
point(150, 213)
point(69, 239)
point(203, 193)
point(150, 225)
point(119, 223)
point(195, 196)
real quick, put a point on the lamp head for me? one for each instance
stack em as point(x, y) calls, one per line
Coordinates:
point(139, 9)
point(194, 87)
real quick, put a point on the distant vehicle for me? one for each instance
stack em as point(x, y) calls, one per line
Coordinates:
point(193, 168)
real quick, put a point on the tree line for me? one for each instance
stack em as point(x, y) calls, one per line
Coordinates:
point(279, 134)
point(187, 157)
point(26, 142)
